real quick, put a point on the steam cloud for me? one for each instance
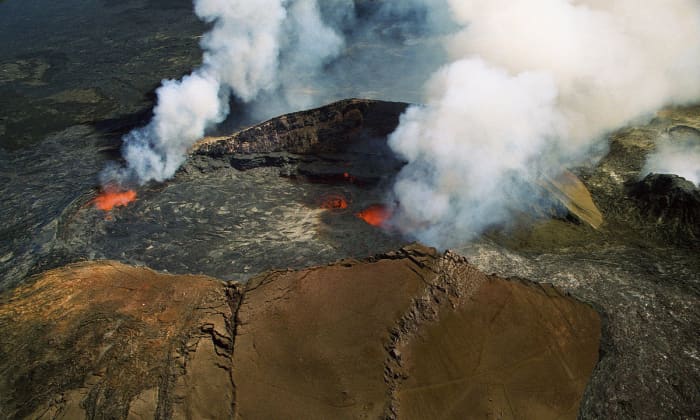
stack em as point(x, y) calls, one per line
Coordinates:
point(520, 89)
point(532, 87)
point(252, 49)
point(678, 155)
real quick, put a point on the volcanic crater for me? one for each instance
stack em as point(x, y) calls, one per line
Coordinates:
point(605, 326)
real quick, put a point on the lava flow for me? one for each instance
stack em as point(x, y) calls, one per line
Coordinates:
point(334, 202)
point(375, 215)
point(109, 199)
point(349, 177)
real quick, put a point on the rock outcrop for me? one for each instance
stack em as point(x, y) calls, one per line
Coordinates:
point(107, 340)
point(326, 143)
point(330, 129)
point(410, 334)
point(670, 201)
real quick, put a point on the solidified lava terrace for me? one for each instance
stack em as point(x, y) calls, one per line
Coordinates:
point(253, 221)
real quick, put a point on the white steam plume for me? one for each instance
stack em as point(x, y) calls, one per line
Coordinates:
point(532, 86)
point(679, 155)
point(242, 56)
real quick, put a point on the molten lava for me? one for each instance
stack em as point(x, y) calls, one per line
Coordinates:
point(109, 199)
point(349, 177)
point(375, 215)
point(334, 201)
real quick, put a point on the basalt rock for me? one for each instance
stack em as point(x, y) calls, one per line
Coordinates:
point(331, 129)
point(326, 143)
point(671, 202)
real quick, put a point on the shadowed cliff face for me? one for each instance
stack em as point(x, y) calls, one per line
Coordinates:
point(376, 338)
point(345, 126)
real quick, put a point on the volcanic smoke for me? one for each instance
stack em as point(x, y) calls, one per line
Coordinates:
point(528, 89)
point(533, 87)
point(252, 48)
point(676, 156)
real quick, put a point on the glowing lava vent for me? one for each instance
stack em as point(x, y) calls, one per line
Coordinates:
point(375, 215)
point(111, 198)
point(334, 202)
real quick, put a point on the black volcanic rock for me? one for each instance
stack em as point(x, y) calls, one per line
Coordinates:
point(351, 125)
point(344, 139)
point(671, 201)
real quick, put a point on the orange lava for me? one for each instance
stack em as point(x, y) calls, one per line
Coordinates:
point(348, 177)
point(335, 201)
point(107, 200)
point(375, 215)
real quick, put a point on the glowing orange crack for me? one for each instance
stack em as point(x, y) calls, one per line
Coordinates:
point(375, 215)
point(334, 201)
point(107, 200)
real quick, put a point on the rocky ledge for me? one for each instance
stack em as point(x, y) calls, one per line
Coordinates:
point(326, 143)
point(331, 128)
point(409, 334)
point(671, 202)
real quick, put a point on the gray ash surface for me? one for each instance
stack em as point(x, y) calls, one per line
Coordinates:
point(217, 216)
point(230, 224)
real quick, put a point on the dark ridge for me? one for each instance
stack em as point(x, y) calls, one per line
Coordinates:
point(671, 202)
